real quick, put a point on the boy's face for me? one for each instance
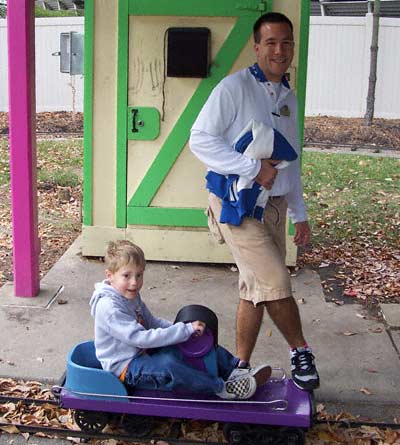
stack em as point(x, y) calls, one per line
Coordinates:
point(127, 280)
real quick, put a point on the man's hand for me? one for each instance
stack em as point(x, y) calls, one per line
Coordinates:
point(267, 174)
point(198, 327)
point(302, 233)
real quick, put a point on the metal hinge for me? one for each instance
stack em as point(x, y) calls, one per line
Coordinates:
point(251, 5)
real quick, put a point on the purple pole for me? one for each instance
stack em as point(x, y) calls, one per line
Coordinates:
point(21, 87)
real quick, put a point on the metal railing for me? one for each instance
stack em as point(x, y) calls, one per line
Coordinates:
point(389, 8)
point(56, 5)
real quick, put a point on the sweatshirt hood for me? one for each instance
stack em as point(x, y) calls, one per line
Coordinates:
point(101, 290)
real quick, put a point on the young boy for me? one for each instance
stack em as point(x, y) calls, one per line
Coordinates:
point(126, 333)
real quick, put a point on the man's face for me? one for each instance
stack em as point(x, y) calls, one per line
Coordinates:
point(275, 51)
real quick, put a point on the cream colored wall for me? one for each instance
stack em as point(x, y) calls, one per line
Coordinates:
point(167, 244)
point(104, 111)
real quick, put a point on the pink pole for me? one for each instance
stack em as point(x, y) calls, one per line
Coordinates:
point(21, 87)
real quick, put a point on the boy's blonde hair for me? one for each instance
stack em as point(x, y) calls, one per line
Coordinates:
point(121, 253)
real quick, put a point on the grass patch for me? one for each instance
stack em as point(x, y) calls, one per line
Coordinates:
point(59, 162)
point(350, 196)
point(62, 179)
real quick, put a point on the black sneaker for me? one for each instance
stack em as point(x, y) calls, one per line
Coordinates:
point(304, 373)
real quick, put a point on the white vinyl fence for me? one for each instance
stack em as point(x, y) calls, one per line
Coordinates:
point(55, 91)
point(338, 67)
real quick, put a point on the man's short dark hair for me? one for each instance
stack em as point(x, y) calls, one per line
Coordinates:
point(269, 17)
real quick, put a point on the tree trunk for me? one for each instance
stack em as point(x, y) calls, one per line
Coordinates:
point(369, 114)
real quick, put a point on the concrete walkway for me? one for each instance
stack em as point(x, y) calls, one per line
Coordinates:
point(358, 358)
point(348, 150)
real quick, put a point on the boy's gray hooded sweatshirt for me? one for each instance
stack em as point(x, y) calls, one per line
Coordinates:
point(119, 337)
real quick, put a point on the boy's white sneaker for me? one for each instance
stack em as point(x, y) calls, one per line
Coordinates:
point(239, 388)
point(261, 373)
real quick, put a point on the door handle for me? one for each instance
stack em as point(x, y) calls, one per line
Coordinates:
point(134, 114)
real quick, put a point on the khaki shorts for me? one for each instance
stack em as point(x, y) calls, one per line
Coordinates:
point(259, 251)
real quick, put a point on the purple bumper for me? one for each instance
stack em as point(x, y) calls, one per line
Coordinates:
point(276, 403)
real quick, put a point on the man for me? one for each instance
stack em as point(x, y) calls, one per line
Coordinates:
point(259, 94)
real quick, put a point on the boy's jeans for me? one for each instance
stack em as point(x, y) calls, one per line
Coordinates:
point(165, 370)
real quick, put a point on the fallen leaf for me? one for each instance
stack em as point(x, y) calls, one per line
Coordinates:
point(350, 293)
point(323, 265)
point(268, 332)
point(377, 330)
point(391, 437)
point(12, 429)
point(348, 334)
point(74, 439)
point(366, 391)
point(109, 442)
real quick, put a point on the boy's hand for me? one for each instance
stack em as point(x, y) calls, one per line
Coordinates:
point(199, 327)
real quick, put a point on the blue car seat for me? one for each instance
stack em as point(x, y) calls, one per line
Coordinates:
point(85, 374)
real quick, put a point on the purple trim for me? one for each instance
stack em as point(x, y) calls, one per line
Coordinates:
point(298, 413)
point(21, 75)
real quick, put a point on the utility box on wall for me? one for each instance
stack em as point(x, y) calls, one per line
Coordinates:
point(71, 53)
point(144, 86)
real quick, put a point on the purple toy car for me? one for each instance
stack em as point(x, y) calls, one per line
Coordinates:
point(278, 413)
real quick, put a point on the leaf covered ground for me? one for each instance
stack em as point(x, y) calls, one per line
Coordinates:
point(354, 203)
point(52, 416)
point(59, 196)
point(337, 130)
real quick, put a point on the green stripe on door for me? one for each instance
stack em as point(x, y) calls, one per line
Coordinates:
point(171, 217)
point(197, 8)
point(88, 113)
point(122, 101)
